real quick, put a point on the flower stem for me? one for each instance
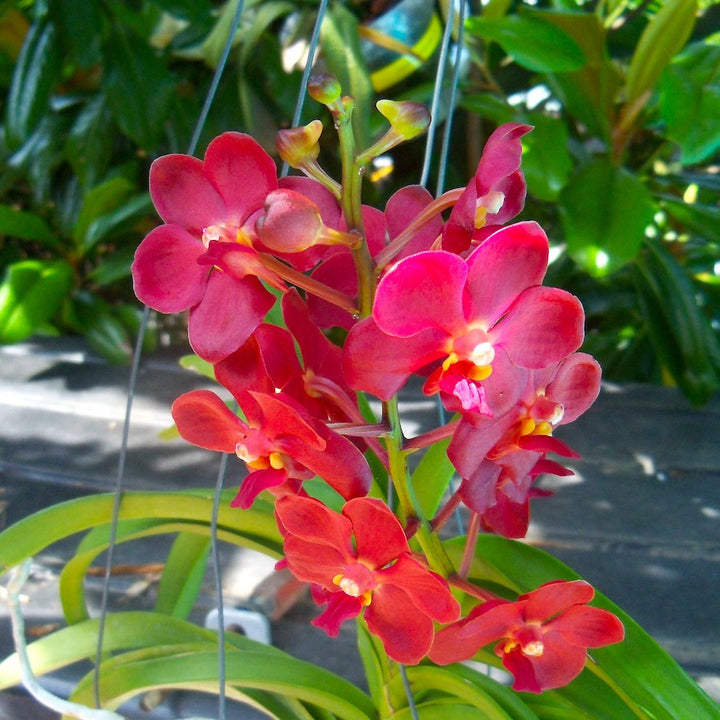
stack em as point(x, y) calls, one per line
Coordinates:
point(351, 202)
point(437, 558)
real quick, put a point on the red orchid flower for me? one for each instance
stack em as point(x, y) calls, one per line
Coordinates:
point(215, 199)
point(472, 318)
point(268, 362)
point(280, 444)
point(495, 195)
point(360, 560)
point(543, 636)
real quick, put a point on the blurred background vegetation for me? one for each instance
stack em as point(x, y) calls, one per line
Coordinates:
point(623, 166)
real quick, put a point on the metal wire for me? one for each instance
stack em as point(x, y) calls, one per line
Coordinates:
point(312, 50)
point(132, 387)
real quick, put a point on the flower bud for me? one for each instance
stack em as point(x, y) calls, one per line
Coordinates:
point(293, 223)
point(407, 119)
point(299, 146)
point(324, 88)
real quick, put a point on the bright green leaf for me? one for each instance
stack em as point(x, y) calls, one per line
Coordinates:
point(340, 44)
point(690, 102)
point(546, 161)
point(30, 295)
point(183, 575)
point(605, 211)
point(532, 43)
point(664, 36)
point(431, 477)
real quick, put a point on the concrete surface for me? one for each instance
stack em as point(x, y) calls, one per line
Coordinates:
point(640, 519)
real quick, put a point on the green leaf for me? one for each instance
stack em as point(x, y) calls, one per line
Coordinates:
point(533, 43)
point(30, 295)
point(183, 575)
point(589, 93)
point(431, 678)
point(605, 211)
point(138, 86)
point(36, 74)
point(97, 204)
point(194, 363)
point(546, 161)
point(90, 142)
point(340, 42)
point(26, 226)
point(701, 219)
point(255, 528)
point(431, 477)
point(80, 27)
point(683, 338)
point(104, 332)
point(124, 677)
point(689, 102)
point(664, 36)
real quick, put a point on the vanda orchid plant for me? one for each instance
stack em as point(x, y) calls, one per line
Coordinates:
point(446, 290)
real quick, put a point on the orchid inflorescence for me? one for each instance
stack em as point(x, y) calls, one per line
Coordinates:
point(438, 288)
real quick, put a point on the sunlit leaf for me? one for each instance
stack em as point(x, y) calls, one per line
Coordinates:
point(689, 102)
point(664, 36)
point(605, 210)
point(30, 295)
point(531, 42)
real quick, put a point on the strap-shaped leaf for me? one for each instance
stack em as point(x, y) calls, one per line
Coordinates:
point(683, 338)
point(664, 36)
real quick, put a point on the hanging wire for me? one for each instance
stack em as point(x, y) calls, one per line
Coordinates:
point(132, 387)
point(437, 91)
point(312, 50)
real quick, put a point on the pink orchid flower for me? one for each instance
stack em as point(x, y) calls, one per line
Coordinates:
point(495, 195)
point(338, 270)
point(360, 560)
point(543, 636)
point(204, 201)
point(479, 321)
point(498, 457)
point(280, 444)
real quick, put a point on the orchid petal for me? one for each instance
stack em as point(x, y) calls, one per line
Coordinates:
point(217, 326)
point(379, 537)
point(509, 261)
point(183, 195)
point(555, 597)
point(242, 172)
point(380, 364)
point(203, 419)
point(309, 520)
point(427, 591)
point(341, 607)
point(406, 636)
point(543, 326)
point(420, 292)
point(255, 483)
point(166, 273)
point(576, 385)
point(588, 627)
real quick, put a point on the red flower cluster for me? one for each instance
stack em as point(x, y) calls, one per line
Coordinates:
point(458, 301)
